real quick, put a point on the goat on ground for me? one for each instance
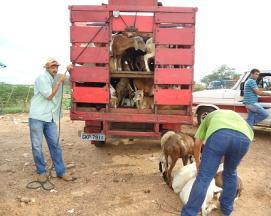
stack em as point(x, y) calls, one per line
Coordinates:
point(210, 201)
point(182, 176)
point(219, 183)
point(174, 146)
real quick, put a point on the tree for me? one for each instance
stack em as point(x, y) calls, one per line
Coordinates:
point(221, 73)
point(198, 87)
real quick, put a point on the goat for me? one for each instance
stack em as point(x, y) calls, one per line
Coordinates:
point(131, 56)
point(219, 183)
point(139, 63)
point(143, 102)
point(210, 200)
point(150, 49)
point(147, 85)
point(112, 64)
point(175, 146)
point(182, 176)
point(123, 90)
point(113, 97)
point(121, 43)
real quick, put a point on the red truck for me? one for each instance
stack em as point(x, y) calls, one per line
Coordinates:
point(173, 32)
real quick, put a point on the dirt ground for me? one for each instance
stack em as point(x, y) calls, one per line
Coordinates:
point(120, 179)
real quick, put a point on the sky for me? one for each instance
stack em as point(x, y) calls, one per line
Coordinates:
point(236, 33)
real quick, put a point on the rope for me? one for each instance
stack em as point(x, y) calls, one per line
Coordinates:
point(124, 21)
point(173, 212)
point(135, 20)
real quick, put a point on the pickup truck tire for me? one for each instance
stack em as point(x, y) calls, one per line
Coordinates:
point(99, 144)
point(202, 113)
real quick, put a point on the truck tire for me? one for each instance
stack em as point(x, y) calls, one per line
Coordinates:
point(99, 144)
point(202, 112)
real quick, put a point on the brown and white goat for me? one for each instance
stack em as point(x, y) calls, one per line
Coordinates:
point(147, 85)
point(150, 49)
point(219, 183)
point(121, 43)
point(174, 146)
point(143, 102)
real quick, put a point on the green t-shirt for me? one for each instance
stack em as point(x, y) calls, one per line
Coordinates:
point(220, 119)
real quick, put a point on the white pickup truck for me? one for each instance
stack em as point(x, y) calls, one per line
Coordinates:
point(207, 101)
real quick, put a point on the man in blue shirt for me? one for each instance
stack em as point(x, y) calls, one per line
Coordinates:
point(256, 113)
point(44, 113)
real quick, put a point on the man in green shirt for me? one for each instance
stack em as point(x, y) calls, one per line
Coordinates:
point(226, 134)
point(43, 115)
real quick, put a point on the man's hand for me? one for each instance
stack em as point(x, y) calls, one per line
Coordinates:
point(69, 68)
point(61, 78)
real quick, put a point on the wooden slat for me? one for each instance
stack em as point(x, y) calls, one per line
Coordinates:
point(143, 23)
point(132, 74)
point(172, 97)
point(121, 117)
point(83, 34)
point(132, 133)
point(182, 18)
point(90, 95)
point(180, 36)
point(89, 16)
point(90, 54)
point(181, 119)
point(101, 8)
point(174, 56)
point(90, 74)
point(132, 8)
point(173, 76)
point(134, 2)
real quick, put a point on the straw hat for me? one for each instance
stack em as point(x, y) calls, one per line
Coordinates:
point(51, 62)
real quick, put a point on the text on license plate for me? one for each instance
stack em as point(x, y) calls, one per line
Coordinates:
point(92, 137)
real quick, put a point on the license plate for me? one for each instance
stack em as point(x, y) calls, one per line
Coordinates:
point(92, 137)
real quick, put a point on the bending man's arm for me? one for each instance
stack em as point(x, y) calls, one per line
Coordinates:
point(197, 151)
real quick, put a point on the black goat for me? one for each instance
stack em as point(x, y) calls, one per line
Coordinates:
point(131, 56)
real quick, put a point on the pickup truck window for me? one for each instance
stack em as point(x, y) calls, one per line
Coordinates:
point(264, 82)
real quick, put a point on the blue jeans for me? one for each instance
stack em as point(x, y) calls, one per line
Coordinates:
point(49, 130)
point(231, 144)
point(256, 114)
